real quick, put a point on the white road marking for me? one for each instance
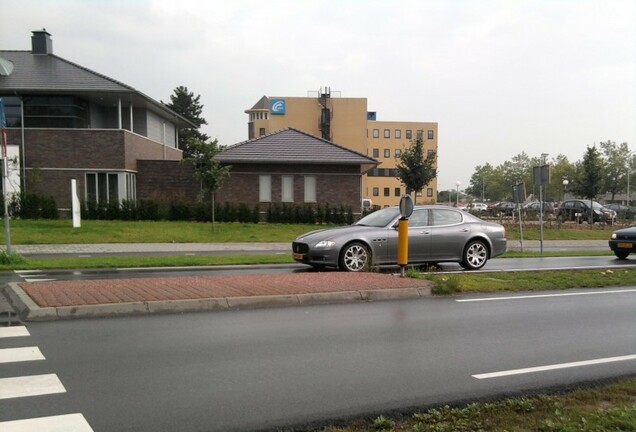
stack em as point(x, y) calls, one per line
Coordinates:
point(32, 385)
point(11, 355)
point(63, 423)
point(21, 272)
point(37, 280)
point(15, 331)
point(545, 295)
point(555, 366)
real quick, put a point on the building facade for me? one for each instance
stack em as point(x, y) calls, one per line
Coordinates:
point(68, 122)
point(348, 122)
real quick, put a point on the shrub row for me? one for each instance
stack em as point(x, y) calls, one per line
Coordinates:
point(30, 206)
point(225, 212)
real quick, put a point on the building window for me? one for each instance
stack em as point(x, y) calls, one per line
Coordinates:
point(376, 153)
point(387, 133)
point(398, 133)
point(387, 191)
point(265, 188)
point(398, 153)
point(409, 134)
point(398, 191)
point(387, 153)
point(376, 133)
point(47, 112)
point(376, 191)
point(103, 187)
point(310, 188)
point(287, 188)
point(430, 134)
point(429, 153)
point(419, 134)
point(429, 192)
point(261, 132)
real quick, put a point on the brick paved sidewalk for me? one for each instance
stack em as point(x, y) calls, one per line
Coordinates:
point(94, 292)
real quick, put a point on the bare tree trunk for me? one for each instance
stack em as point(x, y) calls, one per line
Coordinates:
point(213, 220)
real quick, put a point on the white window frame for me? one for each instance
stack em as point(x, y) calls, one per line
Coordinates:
point(310, 189)
point(265, 188)
point(287, 188)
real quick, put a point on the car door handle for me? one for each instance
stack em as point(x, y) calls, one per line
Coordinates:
point(425, 232)
point(465, 230)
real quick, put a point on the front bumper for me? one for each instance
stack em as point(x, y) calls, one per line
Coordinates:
point(622, 245)
point(324, 257)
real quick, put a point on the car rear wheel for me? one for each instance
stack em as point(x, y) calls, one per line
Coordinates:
point(355, 257)
point(621, 254)
point(475, 255)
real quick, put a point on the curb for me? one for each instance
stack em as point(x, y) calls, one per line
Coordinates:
point(30, 311)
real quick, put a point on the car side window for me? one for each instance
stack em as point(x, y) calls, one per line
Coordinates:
point(446, 217)
point(419, 218)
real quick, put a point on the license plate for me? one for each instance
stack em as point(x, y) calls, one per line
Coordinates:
point(298, 256)
point(624, 245)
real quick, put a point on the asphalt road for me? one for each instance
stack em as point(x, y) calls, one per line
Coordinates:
point(267, 368)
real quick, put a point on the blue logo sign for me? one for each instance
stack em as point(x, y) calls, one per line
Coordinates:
point(277, 106)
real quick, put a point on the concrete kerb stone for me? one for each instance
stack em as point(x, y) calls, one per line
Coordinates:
point(30, 311)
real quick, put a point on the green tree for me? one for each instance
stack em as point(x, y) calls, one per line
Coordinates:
point(588, 180)
point(414, 170)
point(184, 103)
point(207, 169)
point(616, 158)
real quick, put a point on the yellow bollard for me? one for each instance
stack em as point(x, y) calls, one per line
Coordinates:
point(403, 242)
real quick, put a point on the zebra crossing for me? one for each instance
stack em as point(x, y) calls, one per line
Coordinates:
point(33, 275)
point(33, 385)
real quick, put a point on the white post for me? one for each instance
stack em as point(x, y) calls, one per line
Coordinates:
point(77, 216)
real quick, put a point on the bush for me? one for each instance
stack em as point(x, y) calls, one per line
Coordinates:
point(148, 210)
point(178, 211)
point(11, 258)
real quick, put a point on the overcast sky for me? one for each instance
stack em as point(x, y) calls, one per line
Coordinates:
point(499, 77)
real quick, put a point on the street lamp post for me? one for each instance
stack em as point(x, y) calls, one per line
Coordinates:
point(565, 187)
point(457, 198)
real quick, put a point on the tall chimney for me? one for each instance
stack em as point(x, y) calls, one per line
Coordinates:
point(41, 42)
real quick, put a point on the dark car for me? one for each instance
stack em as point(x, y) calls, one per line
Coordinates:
point(503, 208)
point(436, 234)
point(622, 211)
point(579, 210)
point(623, 242)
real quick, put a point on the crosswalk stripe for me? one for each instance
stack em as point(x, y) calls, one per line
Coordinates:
point(37, 280)
point(15, 331)
point(62, 423)
point(32, 385)
point(11, 355)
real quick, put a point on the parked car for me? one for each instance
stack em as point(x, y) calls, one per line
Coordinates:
point(436, 234)
point(534, 206)
point(579, 210)
point(622, 211)
point(503, 208)
point(623, 242)
point(477, 207)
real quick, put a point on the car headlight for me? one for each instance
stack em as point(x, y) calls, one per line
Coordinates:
point(613, 236)
point(325, 244)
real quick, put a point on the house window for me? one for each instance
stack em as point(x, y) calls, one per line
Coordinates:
point(376, 133)
point(387, 133)
point(398, 153)
point(103, 187)
point(376, 153)
point(429, 153)
point(398, 191)
point(398, 133)
point(265, 188)
point(409, 134)
point(430, 134)
point(387, 191)
point(310, 188)
point(287, 188)
point(261, 132)
point(387, 153)
point(429, 192)
point(376, 191)
point(419, 134)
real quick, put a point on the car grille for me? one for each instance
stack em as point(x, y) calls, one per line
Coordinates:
point(625, 237)
point(300, 247)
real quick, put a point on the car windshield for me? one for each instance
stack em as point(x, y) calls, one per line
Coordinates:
point(379, 218)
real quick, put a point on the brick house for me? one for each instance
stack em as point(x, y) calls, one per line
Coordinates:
point(68, 122)
point(291, 166)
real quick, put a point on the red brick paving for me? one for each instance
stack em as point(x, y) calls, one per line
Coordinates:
point(88, 292)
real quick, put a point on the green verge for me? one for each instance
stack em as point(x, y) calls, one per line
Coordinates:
point(608, 408)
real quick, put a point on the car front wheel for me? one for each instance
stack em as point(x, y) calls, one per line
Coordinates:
point(621, 254)
point(355, 257)
point(475, 255)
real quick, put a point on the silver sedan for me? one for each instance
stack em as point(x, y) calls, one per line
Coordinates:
point(436, 234)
